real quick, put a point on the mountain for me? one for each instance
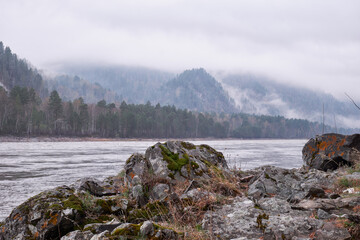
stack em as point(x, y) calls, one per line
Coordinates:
point(73, 87)
point(196, 90)
point(193, 89)
point(131, 84)
point(18, 72)
point(259, 95)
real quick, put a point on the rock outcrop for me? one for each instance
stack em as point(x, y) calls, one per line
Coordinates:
point(331, 151)
point(122, 205)
point(178, 161)
point(286, 204)
point(179, 184)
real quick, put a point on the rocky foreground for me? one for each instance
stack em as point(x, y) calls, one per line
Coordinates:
point(177, 190)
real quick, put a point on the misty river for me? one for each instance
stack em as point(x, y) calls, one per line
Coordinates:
point(27, 168)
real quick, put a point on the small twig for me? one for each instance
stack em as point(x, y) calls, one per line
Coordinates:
point(352, 101)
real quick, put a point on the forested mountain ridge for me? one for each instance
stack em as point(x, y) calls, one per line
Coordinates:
point(18, 72)
point(259, 95)
point(131, 84)
point(28, 109)
point(73, 87)
point(192, 89)
point(196, 90)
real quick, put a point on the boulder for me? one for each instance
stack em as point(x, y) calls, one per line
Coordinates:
point(147, 228)
point(47, 215)
point(273, 218)
point(160, 191)
point(175, 161)
point(330, 151)
point(95, 187)
point(289, 184)
point(78, 235)
point(270, 218)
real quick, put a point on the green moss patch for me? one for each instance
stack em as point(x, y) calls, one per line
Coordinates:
point(104, 205)
point(74, 203)
point(174, 162)
point(131, 230)
point(188, 146)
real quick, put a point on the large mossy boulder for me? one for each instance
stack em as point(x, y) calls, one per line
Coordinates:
point(175, 161)
point(47, 215)
point(330, 151)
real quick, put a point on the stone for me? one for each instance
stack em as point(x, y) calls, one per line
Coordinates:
point(122, 226)
point(289, 184)
point(334, 195)
point(137, 192)
point(94, 187)
point(78, 235)
point(160, 191)
point(315, 192)
point(331, 232)
point(353, 176)
point(147, 228)
point(197, 194)
point(322, 214)
point(175, 161)
point(101, 236)
point(166, 234)
point(101, 227)
point(48, 215)
point(330, 151)
point(272, 219)
point(136, 165)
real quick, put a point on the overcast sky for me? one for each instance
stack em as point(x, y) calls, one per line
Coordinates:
point(310, 43)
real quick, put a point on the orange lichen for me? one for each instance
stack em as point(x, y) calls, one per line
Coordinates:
point(312, 235)
point(36, 234)
point(44, 225)
point(132, 175)
point(3, 229)
point(16, 216)
point(328, 190)
point(54, 219)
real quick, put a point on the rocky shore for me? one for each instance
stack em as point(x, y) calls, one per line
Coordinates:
point(177, 190)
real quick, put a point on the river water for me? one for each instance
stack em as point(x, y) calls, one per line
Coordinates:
point(27, 168)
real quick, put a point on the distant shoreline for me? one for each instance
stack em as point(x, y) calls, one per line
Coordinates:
point(98, 139)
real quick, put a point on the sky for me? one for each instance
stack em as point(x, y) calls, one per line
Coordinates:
point(315, 44)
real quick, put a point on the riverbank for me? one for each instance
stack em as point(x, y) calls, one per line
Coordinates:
point(96, 139)
point(177, 190)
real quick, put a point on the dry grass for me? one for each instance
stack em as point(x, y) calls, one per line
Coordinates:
point(185, 215)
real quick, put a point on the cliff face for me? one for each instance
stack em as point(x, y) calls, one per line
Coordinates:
point(177, 190)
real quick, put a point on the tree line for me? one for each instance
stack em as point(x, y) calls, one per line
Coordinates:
point(24, 113)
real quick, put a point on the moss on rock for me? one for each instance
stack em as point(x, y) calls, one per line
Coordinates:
point(74, 203)
point(174, 162)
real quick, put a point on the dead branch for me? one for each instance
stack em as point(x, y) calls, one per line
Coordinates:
point(352, 100)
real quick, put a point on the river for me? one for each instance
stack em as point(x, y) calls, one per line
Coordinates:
point(27, 168)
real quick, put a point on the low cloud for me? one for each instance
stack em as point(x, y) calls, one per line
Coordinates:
point(308, 43)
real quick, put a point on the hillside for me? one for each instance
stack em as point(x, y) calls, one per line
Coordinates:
point(258, 95)
point(196, 90)
point(18, 72)
point(193, 89)
point(73, 87)
point(131, 84)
